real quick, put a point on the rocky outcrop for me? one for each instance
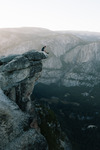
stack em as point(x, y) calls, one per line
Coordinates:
point(18, 74)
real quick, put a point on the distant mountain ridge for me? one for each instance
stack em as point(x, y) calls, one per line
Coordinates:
point(74, 58)
point(85, 35)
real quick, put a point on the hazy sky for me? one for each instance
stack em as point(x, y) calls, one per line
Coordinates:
point(51, 14)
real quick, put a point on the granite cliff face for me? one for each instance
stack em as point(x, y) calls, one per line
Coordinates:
point(18, 121)
point(78, 66)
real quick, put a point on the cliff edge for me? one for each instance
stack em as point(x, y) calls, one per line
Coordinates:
point(18, 74)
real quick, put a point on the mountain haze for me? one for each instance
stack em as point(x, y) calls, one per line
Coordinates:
point(73, 60)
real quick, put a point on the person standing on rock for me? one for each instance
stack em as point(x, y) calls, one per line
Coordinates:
point(43, 49)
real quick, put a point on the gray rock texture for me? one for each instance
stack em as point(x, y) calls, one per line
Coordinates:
point(18, 74)
point(78, 66)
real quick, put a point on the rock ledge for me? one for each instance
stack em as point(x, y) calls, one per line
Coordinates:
point(18, 74)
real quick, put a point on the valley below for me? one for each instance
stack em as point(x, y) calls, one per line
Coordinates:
point(78, 111)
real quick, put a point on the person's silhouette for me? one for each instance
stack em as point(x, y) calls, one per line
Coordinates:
point(43, 49)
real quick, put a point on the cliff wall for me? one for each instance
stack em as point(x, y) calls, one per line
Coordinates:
point(18, 123)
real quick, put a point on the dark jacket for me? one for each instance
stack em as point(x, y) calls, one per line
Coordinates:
point(43, 48)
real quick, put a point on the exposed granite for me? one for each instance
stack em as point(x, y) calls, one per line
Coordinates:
point(18, 74)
